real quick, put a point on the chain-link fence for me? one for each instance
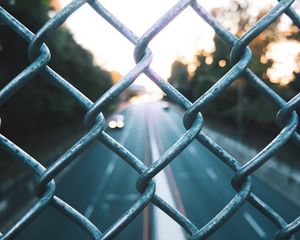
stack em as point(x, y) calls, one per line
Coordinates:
point(94, 121)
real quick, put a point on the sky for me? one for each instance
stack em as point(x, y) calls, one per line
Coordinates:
point(182, 38)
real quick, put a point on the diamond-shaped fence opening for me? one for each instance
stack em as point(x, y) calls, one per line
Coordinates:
point(95, 124)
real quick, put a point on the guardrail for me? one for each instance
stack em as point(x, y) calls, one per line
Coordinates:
point(94, 121)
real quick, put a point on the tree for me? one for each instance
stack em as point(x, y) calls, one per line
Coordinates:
point(180, 78)
point(40, 111)
point(239, 102)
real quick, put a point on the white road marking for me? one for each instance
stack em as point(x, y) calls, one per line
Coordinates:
point(89, 211)
point(121, 197)
point(254, 225)
point(192, 150)
point(165, 228)
point(110, 168)
point(108, 171)
point(3, 205)
point(212, 174)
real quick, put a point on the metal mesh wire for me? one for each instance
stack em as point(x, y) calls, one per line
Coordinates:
point(94, 121)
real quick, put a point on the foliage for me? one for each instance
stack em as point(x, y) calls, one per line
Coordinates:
point(180, 77)
point(41, 109)
point(241, 101)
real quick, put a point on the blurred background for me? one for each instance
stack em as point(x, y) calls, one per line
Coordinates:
point(92, 56)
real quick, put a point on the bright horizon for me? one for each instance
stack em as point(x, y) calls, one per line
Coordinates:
point(186, 35)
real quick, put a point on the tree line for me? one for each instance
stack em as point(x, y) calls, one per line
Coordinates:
point(40, 111)
point(241, 103)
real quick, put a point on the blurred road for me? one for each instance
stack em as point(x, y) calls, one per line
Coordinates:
point(102, 186)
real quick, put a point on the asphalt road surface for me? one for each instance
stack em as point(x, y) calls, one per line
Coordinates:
point(102, 186)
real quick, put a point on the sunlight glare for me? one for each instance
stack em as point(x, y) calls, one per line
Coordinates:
point(284, 56)
point(184, 36)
